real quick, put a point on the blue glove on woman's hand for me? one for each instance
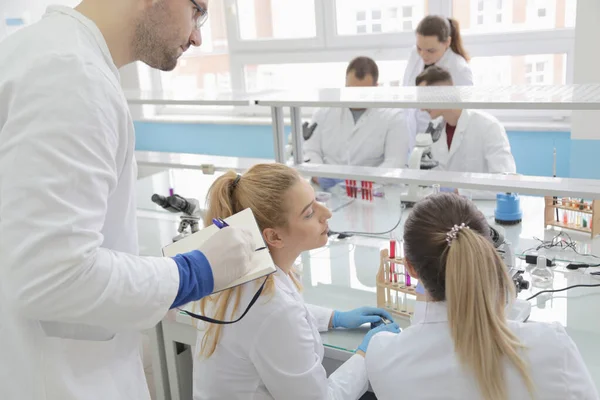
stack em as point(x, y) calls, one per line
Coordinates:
point(393, 327)
point(357, 317)
point(328, 183)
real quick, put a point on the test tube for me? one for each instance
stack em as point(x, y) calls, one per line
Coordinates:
point(435, 188)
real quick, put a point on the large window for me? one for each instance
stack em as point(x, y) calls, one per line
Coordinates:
point(275, 19)
point(484, 16)
point(377, 16)
point(254, 45)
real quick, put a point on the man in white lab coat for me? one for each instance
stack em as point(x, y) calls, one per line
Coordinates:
point(74, 294)
point(472, 140)
point(375, 137)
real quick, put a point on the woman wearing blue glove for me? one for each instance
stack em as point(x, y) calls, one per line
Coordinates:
point(275, 351)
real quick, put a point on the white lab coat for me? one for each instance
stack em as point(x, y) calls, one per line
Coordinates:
point(479, 145)
point(420, 363)
point(275, 352)
point(459, 69)
point(73, 295)
point(378, 139)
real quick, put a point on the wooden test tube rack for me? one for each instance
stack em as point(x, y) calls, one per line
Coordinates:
point(590, 209)
point(395, 297)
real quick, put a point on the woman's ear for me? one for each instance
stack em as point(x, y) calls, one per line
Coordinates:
point(272, 238)
point(409, 268)
point(448, 42)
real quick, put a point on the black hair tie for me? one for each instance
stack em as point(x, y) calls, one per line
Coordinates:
point(234, 184)
point(236, 181)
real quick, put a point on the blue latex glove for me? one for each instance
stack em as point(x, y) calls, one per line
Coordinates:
point(420, 289)
point(195, 277)
point(328, 183)
point(357, 317)
point(447, 190)
point(393, 327)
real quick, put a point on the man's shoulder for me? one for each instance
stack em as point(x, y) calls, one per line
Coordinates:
point(390, 114)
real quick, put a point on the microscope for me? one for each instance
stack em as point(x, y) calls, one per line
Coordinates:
point(189, 207)
point(421, 157)
point(521, 309)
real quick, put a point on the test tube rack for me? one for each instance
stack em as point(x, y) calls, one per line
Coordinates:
point(574, 214)
point(366, 191)
point(393, 294)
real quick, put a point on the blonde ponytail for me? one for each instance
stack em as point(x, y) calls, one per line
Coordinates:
point(262, 188)
point(476, 278)
point(461, 266)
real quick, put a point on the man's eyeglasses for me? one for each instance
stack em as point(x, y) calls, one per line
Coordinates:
point(202, 15)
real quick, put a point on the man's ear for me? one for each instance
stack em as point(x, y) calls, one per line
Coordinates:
point(272, 238)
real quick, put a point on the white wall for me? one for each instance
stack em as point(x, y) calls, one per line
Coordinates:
point(587, 34)
point(31, 10)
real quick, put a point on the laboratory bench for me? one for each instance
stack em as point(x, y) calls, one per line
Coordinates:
point(342, 274)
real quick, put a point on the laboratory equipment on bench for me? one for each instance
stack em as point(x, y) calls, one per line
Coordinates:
point(363, 190)
point(307, 132)
point(190, 208)
point(508, 209)
point(397, 293)
point(575, 214)
point(422, 158)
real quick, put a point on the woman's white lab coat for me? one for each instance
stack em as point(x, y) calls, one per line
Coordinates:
point(459, 69)
point(378, 139)
point(73, 297)
point(275, 352)
point(420, 363)
point(479, 145)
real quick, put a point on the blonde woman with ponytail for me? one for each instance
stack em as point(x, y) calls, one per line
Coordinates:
point(275, 351)
point(462, 346)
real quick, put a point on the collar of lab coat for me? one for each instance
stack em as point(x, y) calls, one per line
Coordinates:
point(430, 312)
point(91, 27)
point(459, 133)
point(284, 282)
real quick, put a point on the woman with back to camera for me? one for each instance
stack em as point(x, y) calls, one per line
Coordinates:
point(275, 351)
point(461, 346)
point(439, 42)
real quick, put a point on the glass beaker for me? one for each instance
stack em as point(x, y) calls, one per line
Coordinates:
point(541, 274)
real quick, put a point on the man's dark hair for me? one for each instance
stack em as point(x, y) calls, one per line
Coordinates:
point(363, 66)
point(434, 75)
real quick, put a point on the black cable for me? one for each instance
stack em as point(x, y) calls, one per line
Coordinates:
point(563, 244)
point(345, 234)
point(342, 206)
point(561, 290)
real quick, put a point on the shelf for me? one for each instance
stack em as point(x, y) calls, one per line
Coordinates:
point(498, 183)
point(196, 161)
point(569, 226)
point(190, 98)
point(590, 212)
point(522, 97)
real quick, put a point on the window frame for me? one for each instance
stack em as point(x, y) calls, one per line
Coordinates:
point(327, 46)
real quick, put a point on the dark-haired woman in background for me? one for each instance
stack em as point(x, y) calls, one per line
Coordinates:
point(438, 43)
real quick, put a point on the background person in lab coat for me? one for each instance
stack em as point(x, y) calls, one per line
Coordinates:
point(74, 294)
point(438, 43)
point(374, 137)
point(472, 141)
point(275, 352)
point(460, 344)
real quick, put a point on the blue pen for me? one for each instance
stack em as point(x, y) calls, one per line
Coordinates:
point(219, 223)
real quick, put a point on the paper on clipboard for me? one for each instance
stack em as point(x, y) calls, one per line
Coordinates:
point(262, 263)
